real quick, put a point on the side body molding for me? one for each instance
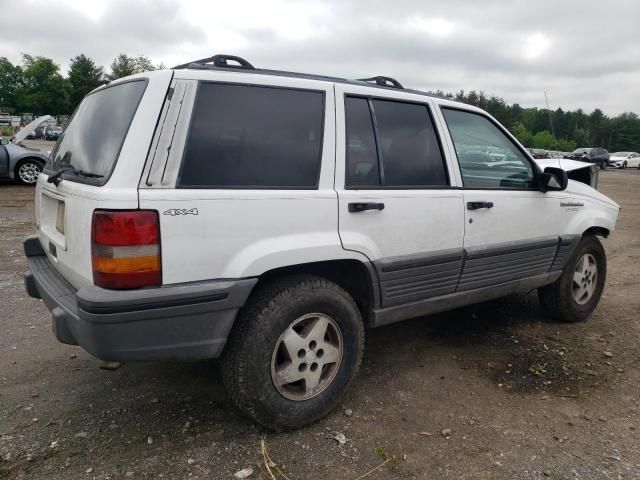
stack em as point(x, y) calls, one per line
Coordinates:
point(430, 283)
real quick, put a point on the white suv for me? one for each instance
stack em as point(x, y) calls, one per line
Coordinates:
point(269, 218)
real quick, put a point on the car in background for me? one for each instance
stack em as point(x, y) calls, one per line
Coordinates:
point(539, 153)
point(625, 159)
point(557, 154)
point(52, 133)
point(596, 155)
point(20, 162)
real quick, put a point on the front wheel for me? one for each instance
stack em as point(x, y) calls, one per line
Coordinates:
point(575, 295)
point(624, 164)
point(27, 171)
point(293, 352)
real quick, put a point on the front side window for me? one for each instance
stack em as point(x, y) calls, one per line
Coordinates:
point(244, 136)
point(392, 144)
point(487, 157)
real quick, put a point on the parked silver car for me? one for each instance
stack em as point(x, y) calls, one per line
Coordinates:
point(19, 162)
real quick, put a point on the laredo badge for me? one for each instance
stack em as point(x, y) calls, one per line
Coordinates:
point(181, 211)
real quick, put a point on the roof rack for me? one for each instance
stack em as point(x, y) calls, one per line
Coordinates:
point(383, 81)
point(220, 60)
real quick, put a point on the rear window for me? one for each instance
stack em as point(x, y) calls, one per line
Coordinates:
point(94, 137)
point(244, 136)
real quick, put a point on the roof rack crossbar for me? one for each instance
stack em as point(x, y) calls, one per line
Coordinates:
point(383, 81)
point(219, 60)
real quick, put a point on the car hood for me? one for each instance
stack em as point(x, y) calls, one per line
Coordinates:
point(31, 127)
point(564, 163)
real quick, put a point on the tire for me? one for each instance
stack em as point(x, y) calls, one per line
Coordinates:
point(255, 348)
point(624, 164)
point(27, 171)
point(559, 298)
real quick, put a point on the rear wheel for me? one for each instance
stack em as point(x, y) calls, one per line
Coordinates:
point(27, 171)
point(575, 295)
point(293, 352)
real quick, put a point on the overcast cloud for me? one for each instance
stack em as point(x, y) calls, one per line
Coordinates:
point(582, 53)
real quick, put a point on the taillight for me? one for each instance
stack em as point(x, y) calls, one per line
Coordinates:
point(125, 248)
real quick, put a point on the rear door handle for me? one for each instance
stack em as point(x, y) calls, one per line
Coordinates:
point(477, 205)
point(362, 206)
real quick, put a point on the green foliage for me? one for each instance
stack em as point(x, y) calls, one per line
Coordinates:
point(523, 135)
point(84, 76)
point(43, 88)
point(533, 126)
point(544, 139)
point(10, 84)
point(123, 66)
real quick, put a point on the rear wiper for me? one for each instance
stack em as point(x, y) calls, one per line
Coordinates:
point(56, 177)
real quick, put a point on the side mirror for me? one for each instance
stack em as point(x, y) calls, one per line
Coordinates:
point(553, 179)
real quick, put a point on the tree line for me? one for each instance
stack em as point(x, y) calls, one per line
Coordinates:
point(37, 86)
point(535, 127)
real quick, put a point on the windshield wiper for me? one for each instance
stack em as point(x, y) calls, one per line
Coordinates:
point(56, 177)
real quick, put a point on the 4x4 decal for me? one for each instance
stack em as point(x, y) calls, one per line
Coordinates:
point(181, 211)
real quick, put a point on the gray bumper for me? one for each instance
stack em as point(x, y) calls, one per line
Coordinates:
point(184, 321)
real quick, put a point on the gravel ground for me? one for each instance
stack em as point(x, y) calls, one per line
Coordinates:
point(495, 390)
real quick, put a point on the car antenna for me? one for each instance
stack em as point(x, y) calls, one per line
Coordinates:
point(553, 131)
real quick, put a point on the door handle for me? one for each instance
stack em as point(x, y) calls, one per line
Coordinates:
point(362, 206)
point(477, 205)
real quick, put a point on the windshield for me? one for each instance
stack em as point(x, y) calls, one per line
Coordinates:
point(582, 150)
point(620, 154)
point(95, 135)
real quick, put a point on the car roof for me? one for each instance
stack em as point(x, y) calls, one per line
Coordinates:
point(381, 82)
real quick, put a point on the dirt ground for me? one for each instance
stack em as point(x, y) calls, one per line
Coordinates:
point(492, 391)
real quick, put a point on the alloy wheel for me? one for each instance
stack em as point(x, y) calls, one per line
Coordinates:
point(585, 279)
point(28, 172)
point(307, 356)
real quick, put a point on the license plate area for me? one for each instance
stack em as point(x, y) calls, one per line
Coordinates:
point(53, 219)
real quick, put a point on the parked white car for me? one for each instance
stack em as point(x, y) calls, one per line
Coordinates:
point(625, 159)
point(269, 218)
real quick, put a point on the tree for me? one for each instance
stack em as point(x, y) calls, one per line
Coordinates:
point(544, 139)
point(524, 136)
point(10, 83)
point(43, 88)
point(84, 76)
point(123, 66)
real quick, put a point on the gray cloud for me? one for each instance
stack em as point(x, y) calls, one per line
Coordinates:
point(583, 53)
point(153, 28)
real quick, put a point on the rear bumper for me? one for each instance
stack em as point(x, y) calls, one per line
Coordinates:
point(184, 321)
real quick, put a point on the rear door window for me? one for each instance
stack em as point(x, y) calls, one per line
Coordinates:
point(93, 139)
point(392, 144)
point(246, 136)
point(362, 155)
point(411, 152)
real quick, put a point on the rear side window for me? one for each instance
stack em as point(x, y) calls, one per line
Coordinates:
point(362, 156)
point(392, 144)
point(95, 135)
point(410, 151)
point(244, 136)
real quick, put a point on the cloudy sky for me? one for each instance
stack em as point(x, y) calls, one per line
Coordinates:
point(582, 53)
